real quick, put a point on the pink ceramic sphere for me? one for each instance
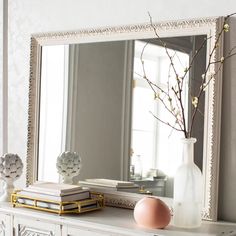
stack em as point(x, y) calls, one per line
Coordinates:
point(151, 212)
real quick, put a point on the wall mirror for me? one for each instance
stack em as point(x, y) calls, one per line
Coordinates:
point(87, 95)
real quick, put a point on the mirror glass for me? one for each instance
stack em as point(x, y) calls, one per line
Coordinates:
point(83, 108)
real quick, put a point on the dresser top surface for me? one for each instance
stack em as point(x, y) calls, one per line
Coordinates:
point(120, 220)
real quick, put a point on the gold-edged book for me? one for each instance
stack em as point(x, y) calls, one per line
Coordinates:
point(95, 202)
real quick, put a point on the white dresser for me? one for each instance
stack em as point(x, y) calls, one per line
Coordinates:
point(107, 222)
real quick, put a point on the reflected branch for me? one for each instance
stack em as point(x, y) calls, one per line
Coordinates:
point(178, 80)
point(166, 123)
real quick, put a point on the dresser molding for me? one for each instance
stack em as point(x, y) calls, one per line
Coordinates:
point(107, 222)
point(34, 232)
point(5, 224)
point(2, 227)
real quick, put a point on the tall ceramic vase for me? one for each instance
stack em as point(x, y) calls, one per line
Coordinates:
point(188, 189)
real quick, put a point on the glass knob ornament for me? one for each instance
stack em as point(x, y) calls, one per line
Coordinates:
point(11, 168)
point(68, 166)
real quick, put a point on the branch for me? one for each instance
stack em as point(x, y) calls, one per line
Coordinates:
point(178, 88)
point(202, 87)
point(152, 85)
point(145, 75)
point(166, 123)
point(196, 54)
point(176, 74)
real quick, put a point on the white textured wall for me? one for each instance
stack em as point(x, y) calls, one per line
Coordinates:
point(1, 75)
point(31, 16)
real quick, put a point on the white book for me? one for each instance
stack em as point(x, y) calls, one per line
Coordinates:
point(109, 182)
point(122, 188)
point(55, 189)
point(111, 189)
point(47, 205)
point(83, 194)
point(32, 190)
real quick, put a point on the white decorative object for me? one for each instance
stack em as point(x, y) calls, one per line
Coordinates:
point(188, 189)
point(11, 168)
point(68, 166)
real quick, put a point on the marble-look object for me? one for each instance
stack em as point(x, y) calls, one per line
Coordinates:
point(11, 167)
point(68, 166)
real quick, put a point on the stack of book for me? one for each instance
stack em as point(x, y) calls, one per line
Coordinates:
point(110, 184)
point(51, 195)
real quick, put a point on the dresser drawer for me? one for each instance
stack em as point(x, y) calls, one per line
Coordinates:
point(25, 226)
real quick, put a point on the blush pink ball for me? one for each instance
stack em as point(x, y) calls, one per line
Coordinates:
point(151, 212)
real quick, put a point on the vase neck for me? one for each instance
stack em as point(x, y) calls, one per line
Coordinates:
point(188, 150)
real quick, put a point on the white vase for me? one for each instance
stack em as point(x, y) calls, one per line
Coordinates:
point(188, 188)
point(8, 190)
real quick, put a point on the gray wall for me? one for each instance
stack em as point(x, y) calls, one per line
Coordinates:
point(27, 17)
point(227, 185)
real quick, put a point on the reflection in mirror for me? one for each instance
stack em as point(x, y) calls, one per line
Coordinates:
point(82, 100)
point(86, 113)
point(155, 154)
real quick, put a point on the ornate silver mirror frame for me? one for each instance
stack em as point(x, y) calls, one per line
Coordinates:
point(211, 153)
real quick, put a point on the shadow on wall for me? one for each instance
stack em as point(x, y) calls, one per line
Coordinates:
point(227, 176)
